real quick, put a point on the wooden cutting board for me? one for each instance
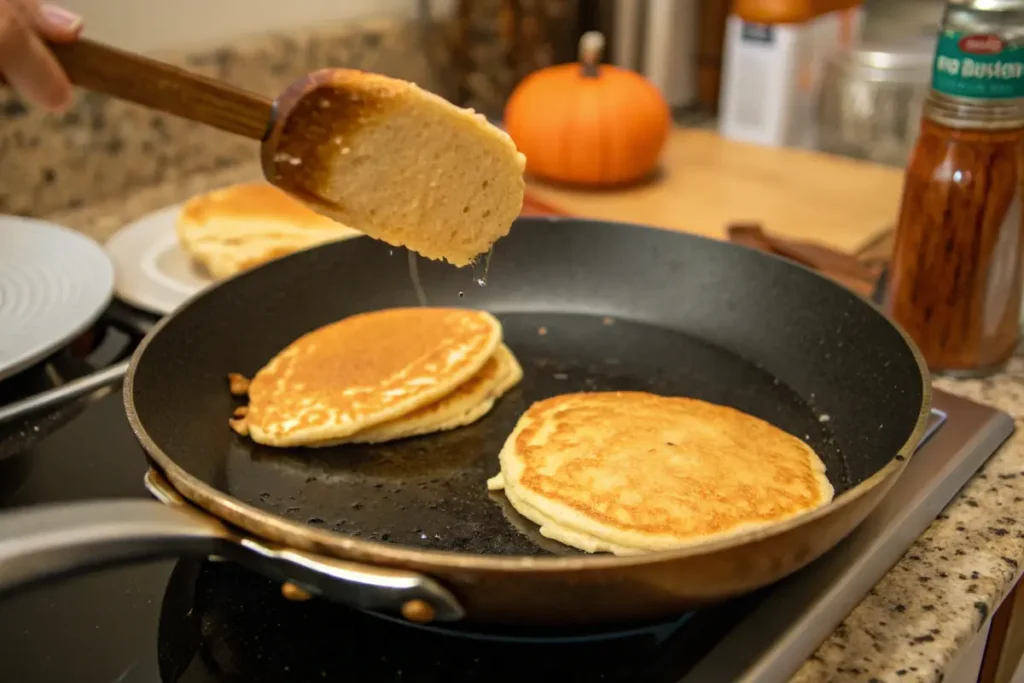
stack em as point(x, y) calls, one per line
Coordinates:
point(707, 182)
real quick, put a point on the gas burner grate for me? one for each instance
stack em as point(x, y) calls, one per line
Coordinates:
point(108, 342)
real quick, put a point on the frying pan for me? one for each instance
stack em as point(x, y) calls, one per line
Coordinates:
point(408, 528)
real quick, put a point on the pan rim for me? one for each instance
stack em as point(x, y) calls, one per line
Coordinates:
point(293, 534)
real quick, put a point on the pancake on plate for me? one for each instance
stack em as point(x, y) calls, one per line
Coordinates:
point(468, 403)
point(632, 472)
point(364, 371)
point(242, 226)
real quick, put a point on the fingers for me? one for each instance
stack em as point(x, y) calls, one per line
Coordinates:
point(25, 61)
point(57, 24)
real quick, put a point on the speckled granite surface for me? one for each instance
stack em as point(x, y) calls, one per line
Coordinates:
point(102, 219)
point(103, 148)
point(925, 611)
point(921, 616)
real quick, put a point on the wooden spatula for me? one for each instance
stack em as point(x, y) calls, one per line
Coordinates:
point(846, 269)
point(376, 153)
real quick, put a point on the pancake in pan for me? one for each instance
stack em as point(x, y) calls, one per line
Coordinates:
point(468, 403)
point(631, 472)
point(363, 371)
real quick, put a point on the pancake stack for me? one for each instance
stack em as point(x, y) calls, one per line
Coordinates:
point(632, 472)
point(242, 226)
point(379, 377)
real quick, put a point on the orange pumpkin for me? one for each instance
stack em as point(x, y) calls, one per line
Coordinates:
point(588, 123)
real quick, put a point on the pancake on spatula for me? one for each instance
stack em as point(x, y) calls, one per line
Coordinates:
point(363, 371)
point(397, 162)
point(631, 472)
point(242, 226)
point(470, 401)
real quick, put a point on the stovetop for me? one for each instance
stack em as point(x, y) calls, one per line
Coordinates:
point(206, 622)
point(193, 622)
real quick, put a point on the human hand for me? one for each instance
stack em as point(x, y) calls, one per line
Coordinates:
point(25, 61)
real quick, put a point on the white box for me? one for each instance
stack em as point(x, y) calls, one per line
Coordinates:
point(771, 76)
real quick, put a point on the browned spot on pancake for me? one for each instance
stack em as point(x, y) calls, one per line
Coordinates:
point(319, 116)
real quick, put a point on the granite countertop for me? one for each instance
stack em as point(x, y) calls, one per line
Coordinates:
point(928, 608)
point(919, 618)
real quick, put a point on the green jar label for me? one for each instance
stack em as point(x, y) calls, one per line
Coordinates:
point(978, 66)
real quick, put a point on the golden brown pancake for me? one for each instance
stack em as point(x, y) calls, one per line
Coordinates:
point(363, 371)
point(242, 226)
point(470, 401)
point(632, 472)
point(402, 165)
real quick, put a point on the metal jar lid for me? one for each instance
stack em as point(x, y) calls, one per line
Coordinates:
point(881, 61)
point(990, 5)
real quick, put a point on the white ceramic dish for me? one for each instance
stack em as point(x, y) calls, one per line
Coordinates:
point(152, 271)
point(54, 283)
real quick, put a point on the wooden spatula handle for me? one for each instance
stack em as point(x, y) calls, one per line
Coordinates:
point(165, 88)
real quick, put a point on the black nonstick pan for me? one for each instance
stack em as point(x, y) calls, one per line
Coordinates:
point(409, 527)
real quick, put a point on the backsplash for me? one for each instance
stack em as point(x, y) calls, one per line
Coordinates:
point(103, 148)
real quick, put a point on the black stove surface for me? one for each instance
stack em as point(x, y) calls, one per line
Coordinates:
point(205, 622)
point(93, 628)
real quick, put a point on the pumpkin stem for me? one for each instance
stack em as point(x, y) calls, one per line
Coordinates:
point(591, 47)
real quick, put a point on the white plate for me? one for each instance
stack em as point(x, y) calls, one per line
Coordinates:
point(153, 272)
point(54, 283)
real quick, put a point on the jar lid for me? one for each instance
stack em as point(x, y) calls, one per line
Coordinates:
point(990, 5)
point(915, 56)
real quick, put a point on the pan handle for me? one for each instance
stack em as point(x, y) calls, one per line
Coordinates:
point(50, 541)
point(53, 541)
